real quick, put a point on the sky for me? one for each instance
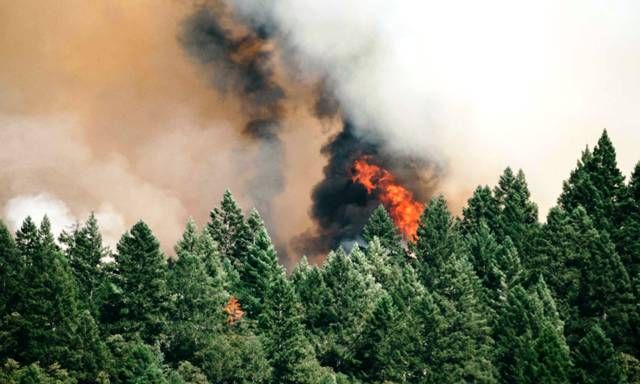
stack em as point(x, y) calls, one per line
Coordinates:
point(101, 108)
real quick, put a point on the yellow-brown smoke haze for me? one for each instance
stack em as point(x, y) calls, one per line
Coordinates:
point(101, 109)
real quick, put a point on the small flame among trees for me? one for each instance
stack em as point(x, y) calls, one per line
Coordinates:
point(404, 210)
point(234, 311)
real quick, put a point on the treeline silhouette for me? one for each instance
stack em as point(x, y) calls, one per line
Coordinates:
point(494, 296)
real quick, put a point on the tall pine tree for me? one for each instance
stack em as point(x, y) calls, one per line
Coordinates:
point(229, 230)
point(530, 346)
point(290, 353)
point(259, 270)
point(381, 226)
point(595, 360)
point(481, 207)
point(437, 239)
point(587, 276)
point(11, 269)
point(196, 298)
point(139, 278)
point(518, 217)
point(462, 345)
point(85, 251)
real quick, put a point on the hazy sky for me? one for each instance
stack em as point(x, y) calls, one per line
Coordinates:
point(101, 109)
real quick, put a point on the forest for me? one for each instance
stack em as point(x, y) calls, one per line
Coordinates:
point(496, 295)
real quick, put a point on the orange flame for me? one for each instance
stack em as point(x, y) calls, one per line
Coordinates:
point(404, 210)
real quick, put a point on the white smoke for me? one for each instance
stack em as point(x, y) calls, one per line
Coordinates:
point(478, 85)
point(36, 206)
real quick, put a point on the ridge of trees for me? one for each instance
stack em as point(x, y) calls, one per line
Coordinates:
point(494, 296)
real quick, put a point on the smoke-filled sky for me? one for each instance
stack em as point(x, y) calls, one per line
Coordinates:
point(105, 106)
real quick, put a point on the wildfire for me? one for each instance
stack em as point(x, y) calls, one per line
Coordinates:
point(404, 210)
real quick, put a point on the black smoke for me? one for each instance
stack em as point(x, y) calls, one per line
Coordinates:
point(341, 207)
point(240, 52)
point(241, 61)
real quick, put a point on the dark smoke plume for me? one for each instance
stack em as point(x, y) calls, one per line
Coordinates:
point(241, 58)
point(341, 207)
point(240, 52)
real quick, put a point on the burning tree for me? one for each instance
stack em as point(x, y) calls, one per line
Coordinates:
point(403, 208)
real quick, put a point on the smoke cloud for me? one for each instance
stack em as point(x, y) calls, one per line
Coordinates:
point(341, 207)
point(19, 208)
point(150, 109)
point(476, 86)
point(240, 58)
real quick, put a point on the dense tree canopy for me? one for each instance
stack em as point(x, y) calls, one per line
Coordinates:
point(494, 296)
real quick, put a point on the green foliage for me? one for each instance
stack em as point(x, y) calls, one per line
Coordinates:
point(491, 297)
point(139, 279)
point(518, 215)
point(586, 273)
point(497, 265)
point(229, 230)
point(47, 325)
point(187, 373)
point(12, 373)
point(290, 354)
point(258, 271)
point(196, 298)
point(437, 239)
point(481, 207)
point(11, 271)
point(235, 356)
point(134, 362)
point(530, 346)
point(595, 360)
point(352, 297)
point(84, 250)
point(381, 226)
point(628, 241)
point(597, 185)
point(461, 340)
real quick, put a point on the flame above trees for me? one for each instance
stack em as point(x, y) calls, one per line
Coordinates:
point(403, 208)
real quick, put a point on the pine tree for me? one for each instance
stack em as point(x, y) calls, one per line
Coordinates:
point(437, 239)
point(259, 269)
point(229, 230)
point(587, 275)
point(235, 356)
point(11, 372)
point(481, 207)
point(84, 250)
point(483, 250)
point(49, 326)
point(196, 298)
point(530, 346)
point(518, 218)
point(11, 270)
point(598, 186)
point(134, 362)
point(388, 351)
point(139, 277)
point(462, 346)
point(381, 226)
point(289, 351)
point(352, 297)
point(628, 241)
point(595, 360)
point(48, 302)
point(309, 285)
